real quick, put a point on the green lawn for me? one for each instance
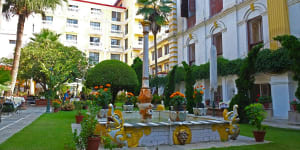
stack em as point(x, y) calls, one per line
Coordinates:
point(53, 132)
point(282, 139)
point(49, 132)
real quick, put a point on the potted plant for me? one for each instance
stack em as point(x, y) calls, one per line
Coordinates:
point(56, 105)
point(128, 107)
point(256, 115)
point(78, 107)
point(198, 97)
point(178, 101)
point(265, 100)
point(103, 98)
point(294, 104)
point(87, 138)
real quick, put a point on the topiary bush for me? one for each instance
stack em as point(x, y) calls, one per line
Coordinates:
point(189, 87)
point(137, 66)
point(170, 87)
point(117, 73)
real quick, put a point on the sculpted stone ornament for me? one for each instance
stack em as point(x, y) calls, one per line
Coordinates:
point(234, 127)
point(182, 136)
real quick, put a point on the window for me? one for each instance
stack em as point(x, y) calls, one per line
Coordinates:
point(115, 28)
point(166, 49)
point(159, 68)
point(72, 23)
point(153, 55)
point(261, 90)
point(115, 56)
point(94, 41)
point(166, 67)
point(93, 58)
point(159, 52)
point(12, 41)
point(73, 8)
point(255, 32)
point(95, 11)
point(192, 54)
point(126, 29)
point(140, 41)
point(95, 25)
point(126, 14)
point(115, 43)
point(219, 94)
point(217, 41)
point(191, 20)
point(116, 16)
point(126, 58)
point(47, 18)
point(126, 44)
point(215, 6)
point(70, 37)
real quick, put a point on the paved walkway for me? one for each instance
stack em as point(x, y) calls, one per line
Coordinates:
point(15, 122)
point(281, 123)
point(241, 141)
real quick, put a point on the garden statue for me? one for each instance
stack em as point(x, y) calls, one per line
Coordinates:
point(232, 116)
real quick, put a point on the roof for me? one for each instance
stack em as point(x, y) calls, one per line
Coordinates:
point(95, 3)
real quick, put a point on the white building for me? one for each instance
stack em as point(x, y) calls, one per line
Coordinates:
point(234, 26)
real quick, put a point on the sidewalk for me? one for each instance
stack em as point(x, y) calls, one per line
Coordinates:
point(15, 122)
point(281, 123)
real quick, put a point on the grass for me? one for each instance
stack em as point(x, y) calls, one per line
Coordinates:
point(49, 132)
point(281, 139)
point(53, 132)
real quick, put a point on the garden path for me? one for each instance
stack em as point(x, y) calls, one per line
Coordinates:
point(14, 122)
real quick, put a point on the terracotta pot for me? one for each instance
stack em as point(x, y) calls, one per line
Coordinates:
point(266, 105)
point(79, 118)
point(259, 136)
point(85, 107)
point(294, 107)
point(56, 110)
point(93, 143)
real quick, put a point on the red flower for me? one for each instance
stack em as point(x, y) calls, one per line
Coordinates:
point(257, 100)
point(258, 95)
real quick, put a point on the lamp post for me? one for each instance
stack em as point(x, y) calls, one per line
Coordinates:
point(145, 96)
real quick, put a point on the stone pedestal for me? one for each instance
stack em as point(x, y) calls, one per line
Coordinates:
point(145, 105)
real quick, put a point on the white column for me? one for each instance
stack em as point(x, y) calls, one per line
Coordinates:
point(282, 93)
point(224, 89)
point(32, 87)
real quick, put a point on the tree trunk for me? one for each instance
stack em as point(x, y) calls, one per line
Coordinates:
point(155, 53)
point(14, 72)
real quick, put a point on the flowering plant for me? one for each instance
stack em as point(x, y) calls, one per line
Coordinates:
point(294, 102)
point(178, 100)
point(198, 95)
point(264, 99)
point(56, 103)
point(129, 97)
point(103, 96)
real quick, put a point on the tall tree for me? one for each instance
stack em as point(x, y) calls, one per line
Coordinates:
point(156, 11)
point(50, 63)
point(23, 9)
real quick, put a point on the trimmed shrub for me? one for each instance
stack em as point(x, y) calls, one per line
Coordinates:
point(114, 72)
point(189, 87)
point(137, 66)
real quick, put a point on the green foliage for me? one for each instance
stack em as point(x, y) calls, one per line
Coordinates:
point(198, 96)
point(156, 99)
point(265, 99)
point(189, 87)
point(108, 143)
point(292, 44)
point(6, 61)
point(177, 101)
point(50, 63)
point(179, 74)
point(158, 81)
point(78, 107)
point(245, 83)
point(121, 97)
point(256, 115)
point(103, 97)
point(117, 73)
point(170, 86)
point(4, 76)
point(138, 68)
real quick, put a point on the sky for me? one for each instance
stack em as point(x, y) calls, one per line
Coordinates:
point(111, 2)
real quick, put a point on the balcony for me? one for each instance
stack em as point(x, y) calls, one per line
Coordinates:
point(70, 42)
point(95, 12)
point(95, 45)
point(117, 31)
point(116, 46)
point(72, 25)
point(47, 22)
point(72, 9)
point(95, 30)
point(138, 45)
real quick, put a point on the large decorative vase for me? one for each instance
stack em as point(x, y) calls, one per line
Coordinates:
point(79, 118)
point(178, 115)
point(197, 111)
point(259, 136)
point(128, 108)
point(93, 143)
point(145, 105)
point(102, 113)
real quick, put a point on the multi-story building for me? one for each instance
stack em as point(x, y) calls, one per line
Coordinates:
point(101, 31)
point(234, 27)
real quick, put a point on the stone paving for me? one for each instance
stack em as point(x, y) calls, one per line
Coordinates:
point(14, 122)
point(241, 141)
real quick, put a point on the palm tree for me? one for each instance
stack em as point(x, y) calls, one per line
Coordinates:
point(156, 12)
point(23, 9)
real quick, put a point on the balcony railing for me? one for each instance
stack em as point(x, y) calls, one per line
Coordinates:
point(47, 22)
point(116, 46)
point(117, 31)
point(73, 9)
point(72, 25)
point(95, 28)
point(71, 42)
point(96, 12)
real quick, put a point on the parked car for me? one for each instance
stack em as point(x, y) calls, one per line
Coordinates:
point(31, 99)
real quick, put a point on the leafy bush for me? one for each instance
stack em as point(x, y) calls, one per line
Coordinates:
point(170, 87)
point(177, 101)
point(137, 66)
point(117, 73)
point(264, 99)
point(189, 84)
point(156, 99)
point(256, 115)
point(68, 106)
